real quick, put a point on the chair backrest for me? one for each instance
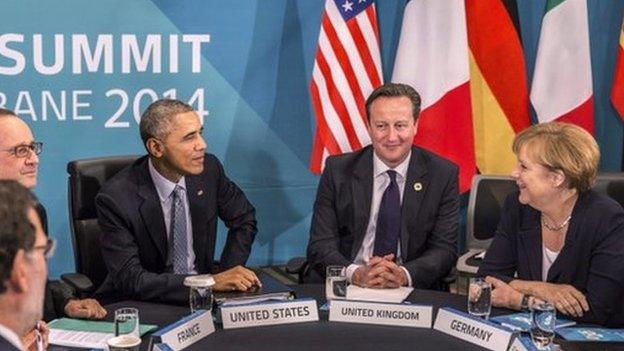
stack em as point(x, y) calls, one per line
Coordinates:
point(486, 200)
point(86, 177)
point(488, 197)
point(612, 185)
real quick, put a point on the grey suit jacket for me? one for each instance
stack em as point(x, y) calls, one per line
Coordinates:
point(429, 216)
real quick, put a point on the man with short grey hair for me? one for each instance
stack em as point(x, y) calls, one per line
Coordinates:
point(159, 215)
point(19, 160)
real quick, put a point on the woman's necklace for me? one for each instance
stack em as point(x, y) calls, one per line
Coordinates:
point(555, 228)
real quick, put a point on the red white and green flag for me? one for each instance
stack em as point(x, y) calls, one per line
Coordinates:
point(617, 92)
point(562, 80)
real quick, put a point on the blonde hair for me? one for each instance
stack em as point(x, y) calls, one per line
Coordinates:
point(565, 147)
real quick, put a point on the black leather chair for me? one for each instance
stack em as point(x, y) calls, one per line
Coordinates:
point(86, 177)
point(487, 197)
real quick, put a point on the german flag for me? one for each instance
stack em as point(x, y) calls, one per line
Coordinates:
point(498, 82)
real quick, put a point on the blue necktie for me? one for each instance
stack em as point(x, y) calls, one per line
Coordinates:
point(178, 239)
point(388, 220)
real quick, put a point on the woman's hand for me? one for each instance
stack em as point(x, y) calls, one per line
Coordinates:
point(503, 295)
point(566, 298)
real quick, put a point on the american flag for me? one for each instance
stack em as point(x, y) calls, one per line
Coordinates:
point(347, 68)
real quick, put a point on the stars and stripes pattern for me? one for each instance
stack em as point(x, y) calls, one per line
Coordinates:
point(347, 68)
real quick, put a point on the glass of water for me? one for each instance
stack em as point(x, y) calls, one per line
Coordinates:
point(543, 318)
point(479, 297)
point(127, 322)
point(336, 283)
point(200, 292)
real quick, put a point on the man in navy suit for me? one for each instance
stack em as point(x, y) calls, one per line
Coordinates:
point(24, 248)
point(388, 212)
point(159, 215)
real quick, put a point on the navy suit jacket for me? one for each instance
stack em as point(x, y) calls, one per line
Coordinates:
point(134, 239)
point(5, 345)
point(428, 237)
point(591, 260)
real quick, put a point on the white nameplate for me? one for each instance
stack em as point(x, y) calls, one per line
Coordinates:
point(474, 330)
point(522, 343)
point(269, 313)
point(185, 332)
point(415, 316)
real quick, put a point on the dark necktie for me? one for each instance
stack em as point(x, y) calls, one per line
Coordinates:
point(178, 233)
point(388, 220)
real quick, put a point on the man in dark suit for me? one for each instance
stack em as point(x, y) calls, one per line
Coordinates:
point(159, 215)
point(24, 249)
point(19, 160)
point(389, 212)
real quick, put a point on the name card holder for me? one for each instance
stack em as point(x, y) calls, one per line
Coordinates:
point(183, 333)
point(403, 315)
point(472, 329)
point(269, 313)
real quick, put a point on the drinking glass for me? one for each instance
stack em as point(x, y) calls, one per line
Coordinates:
point(127, 334)
point(336, 283)
point(200, 290)
point(543, 318)
point(479, 297)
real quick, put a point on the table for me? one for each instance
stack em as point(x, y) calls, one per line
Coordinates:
point(325, 335)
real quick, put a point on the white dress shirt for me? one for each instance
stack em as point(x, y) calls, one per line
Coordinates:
point(10, 336)
point(381, 180)
point(164, 188)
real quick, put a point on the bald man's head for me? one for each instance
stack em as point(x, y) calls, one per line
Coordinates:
point(13, 165)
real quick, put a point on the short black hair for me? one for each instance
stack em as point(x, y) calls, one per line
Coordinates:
point(157, 118)
point(16, 230)
point(395, 90)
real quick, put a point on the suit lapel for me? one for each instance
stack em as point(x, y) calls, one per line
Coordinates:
point(362, 192)
point(412, 197)
point(151, 211)
point(196, 195)
point(530, 235)
point(566, 258)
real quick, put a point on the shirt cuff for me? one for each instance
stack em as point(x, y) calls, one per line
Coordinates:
point(409, 277)
point(350, 270)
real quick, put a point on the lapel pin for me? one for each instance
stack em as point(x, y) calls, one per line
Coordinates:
point(418, 186)
point(200, 193)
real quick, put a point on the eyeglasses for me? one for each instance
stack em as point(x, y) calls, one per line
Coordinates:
point(48, 248)
point(23, 150)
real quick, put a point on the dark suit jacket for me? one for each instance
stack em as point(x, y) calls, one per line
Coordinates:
point(429, 217)
point(134, 239)
point(5, 345)
point(56, 295)
point(591, 260)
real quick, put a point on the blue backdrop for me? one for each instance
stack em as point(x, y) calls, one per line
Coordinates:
point(245, 63)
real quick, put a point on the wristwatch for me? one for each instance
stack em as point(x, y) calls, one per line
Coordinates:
point(524, 305)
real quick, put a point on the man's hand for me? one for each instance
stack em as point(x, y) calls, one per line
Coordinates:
point(566, 298)
point(380, 272)
point(237, 278)
point(85, 308)
point(504, 295)
point(30, 340)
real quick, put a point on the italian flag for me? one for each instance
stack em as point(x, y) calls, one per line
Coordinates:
point(432, 57)
point(562, 81)
point(617, 93)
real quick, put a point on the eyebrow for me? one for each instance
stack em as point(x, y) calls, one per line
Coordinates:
point(193, 132)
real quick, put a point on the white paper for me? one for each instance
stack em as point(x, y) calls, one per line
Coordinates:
point(82, 339)
point(397, 295)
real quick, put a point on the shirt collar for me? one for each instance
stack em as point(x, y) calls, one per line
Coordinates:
point(11, 337)
point(164, 187)
point(379, 167)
